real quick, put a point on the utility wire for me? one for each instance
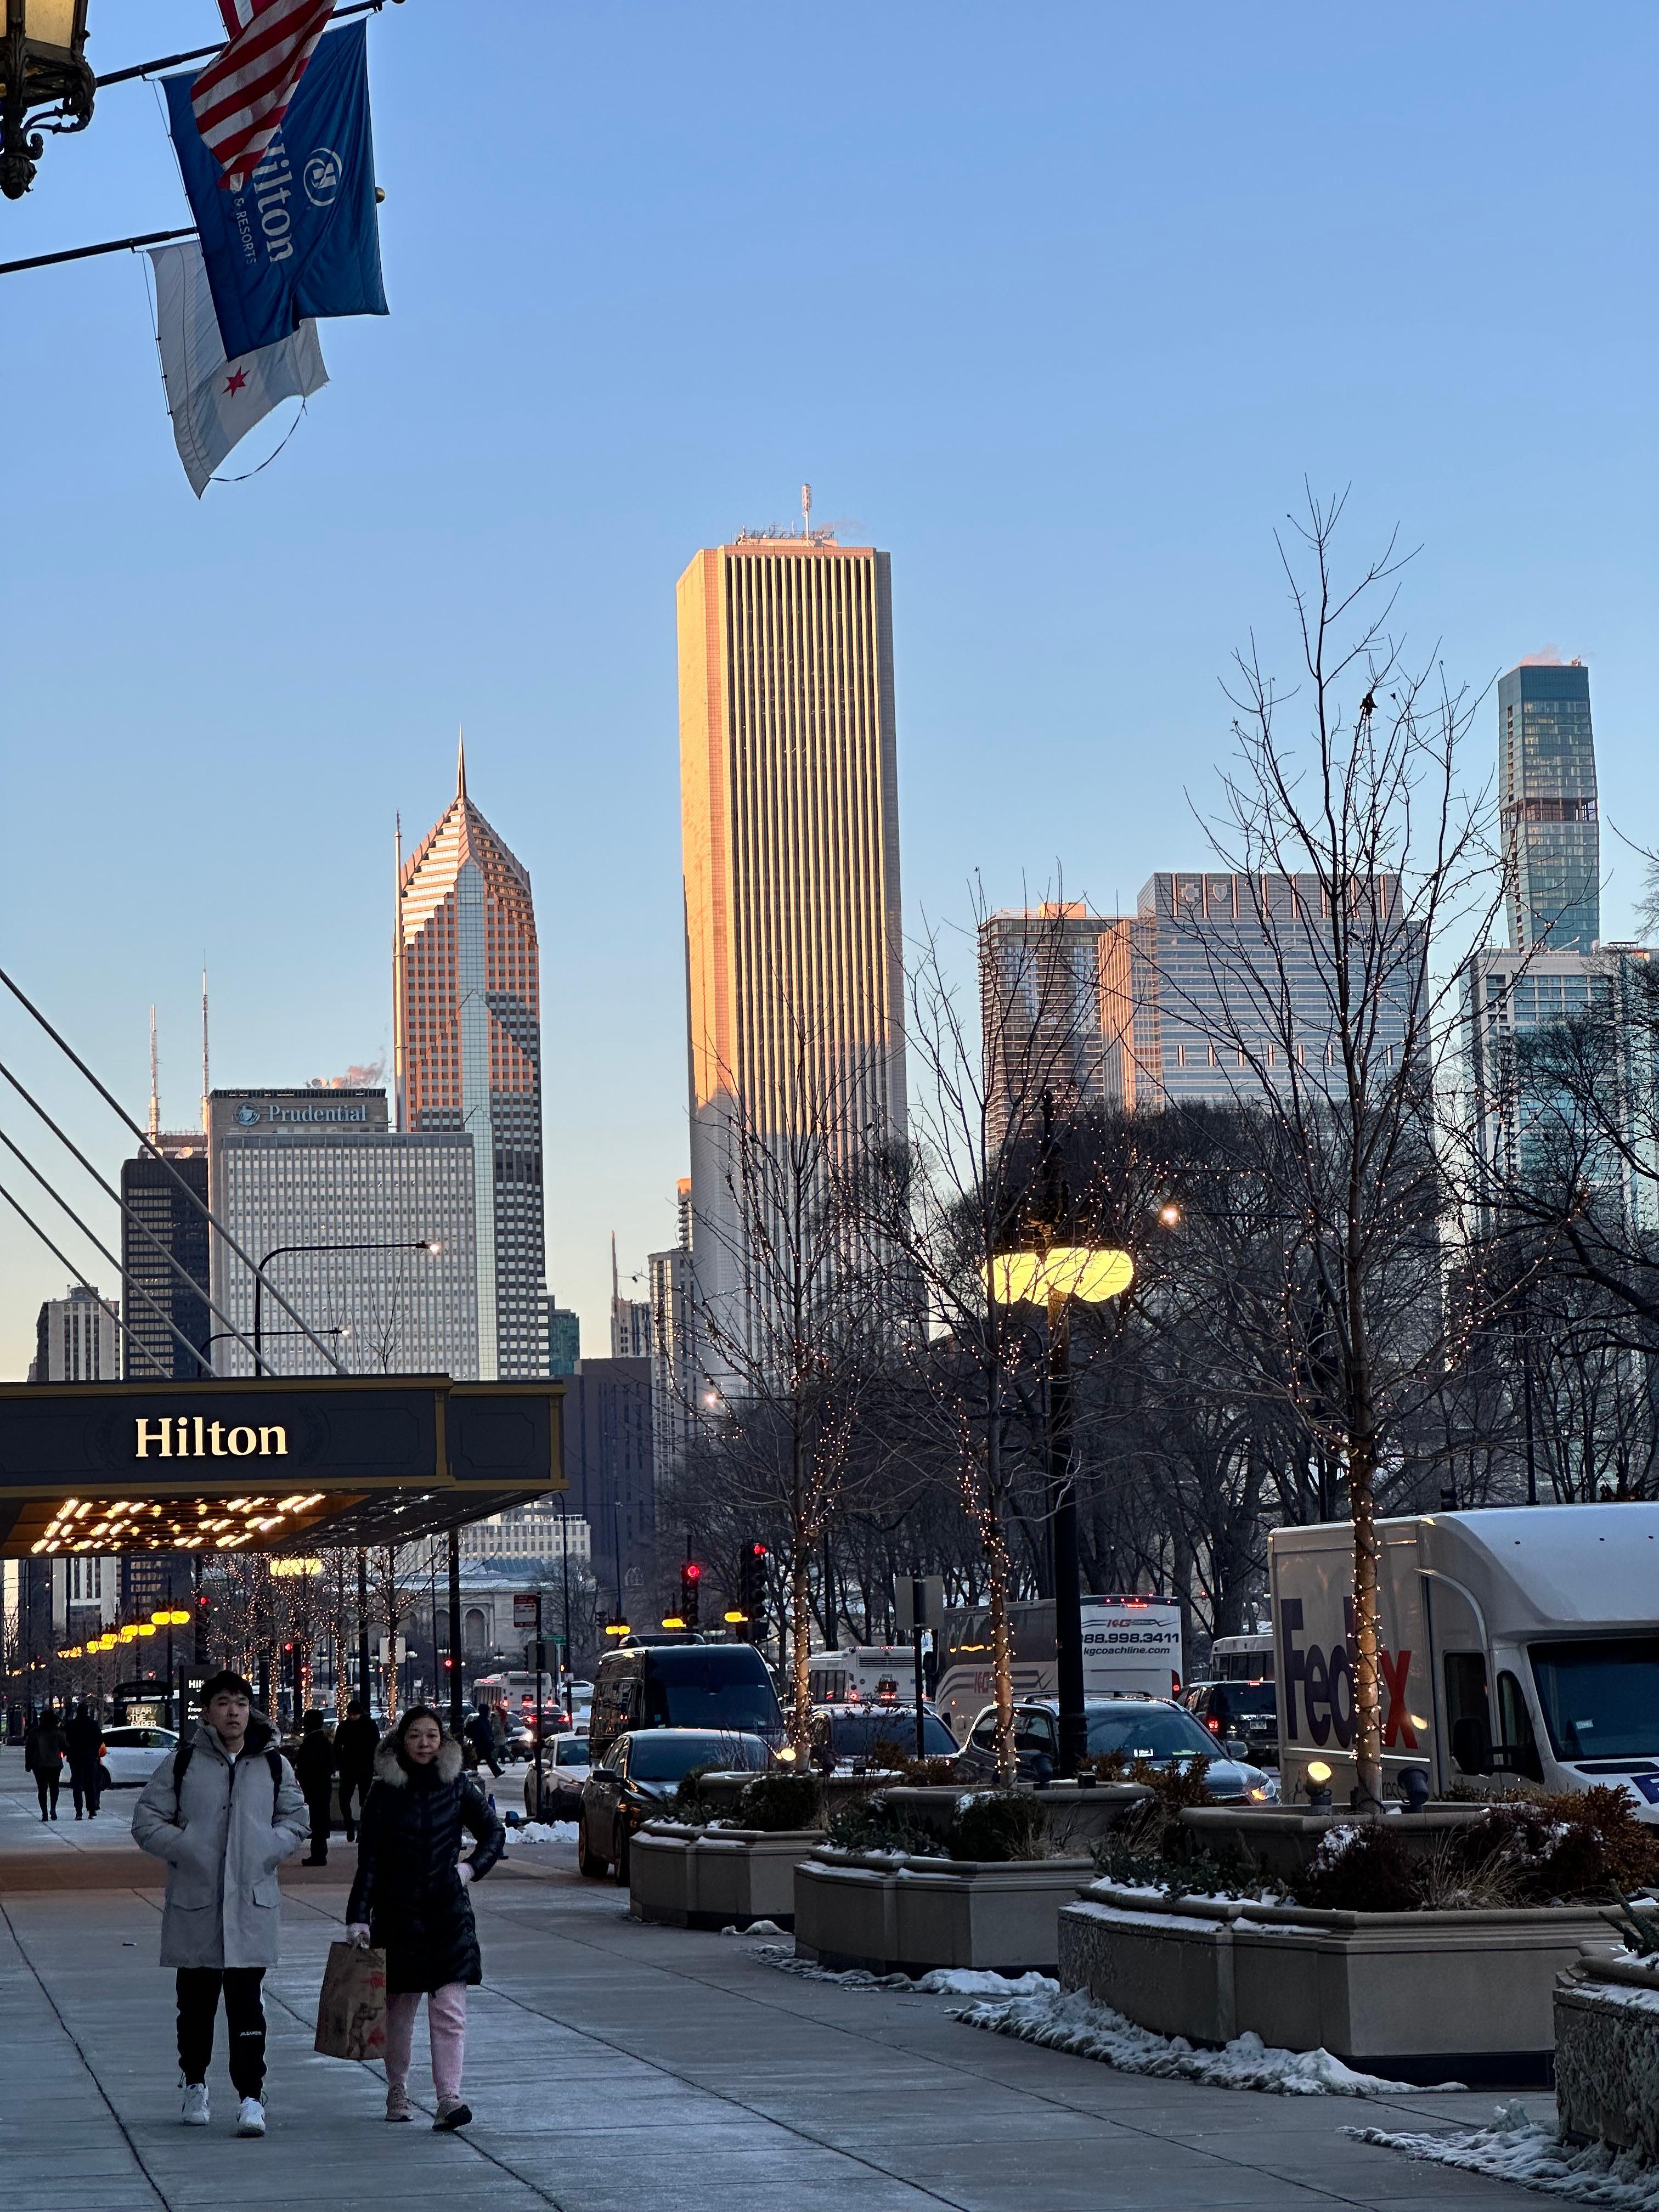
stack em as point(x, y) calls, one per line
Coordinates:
point(126, 1212)
point(200, 1204)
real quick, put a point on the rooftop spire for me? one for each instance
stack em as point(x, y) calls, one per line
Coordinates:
point(460, 768)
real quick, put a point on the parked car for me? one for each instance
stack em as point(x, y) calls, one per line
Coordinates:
point(638, 1776)
point(566, 1767)
point(1244, 1713)
point(850, 1738)
point(681, 1686)
point(1153, 1729)
point(131, 1755)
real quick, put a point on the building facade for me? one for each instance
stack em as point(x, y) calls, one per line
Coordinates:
point(674, 1377)
point(1547, 788)
point(528, 1532)
point(467, 1024)
point(564, 1338)
point(608, 1471)
point(1240, 983)
point(77, 1339)
point(164, 1257)
point(370, 1234)
point(788, 782)
point(1065, 1009)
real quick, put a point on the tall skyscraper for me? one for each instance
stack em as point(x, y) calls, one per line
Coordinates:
point(1241, 982)
point(789, 803)
point(77, 1339)
point(317, 1179)
point(164, 1256)
point(1546, 783)
point(673, 1343)
point(1064, 1008)
point(467, 998)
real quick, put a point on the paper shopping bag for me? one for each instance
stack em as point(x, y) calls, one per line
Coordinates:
point(351, 2009)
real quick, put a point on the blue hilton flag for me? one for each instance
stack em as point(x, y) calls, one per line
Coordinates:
point(301, 239)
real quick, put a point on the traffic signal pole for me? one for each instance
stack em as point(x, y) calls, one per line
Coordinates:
point(455, 1632)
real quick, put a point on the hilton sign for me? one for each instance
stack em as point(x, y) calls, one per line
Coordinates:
point(388, 1459)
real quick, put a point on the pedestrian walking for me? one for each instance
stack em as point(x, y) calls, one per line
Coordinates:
point(410, 1900)
point(314, 1768)
point(44, 1754)
point(83, 1740)
point(482, 1737)
point(224, 1812)
point(355, 1743)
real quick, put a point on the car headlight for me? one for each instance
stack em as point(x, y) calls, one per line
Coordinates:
point(1258, 1794)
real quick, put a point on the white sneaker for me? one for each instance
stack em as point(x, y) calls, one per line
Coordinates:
point(195, 2112)
point(250, 2120)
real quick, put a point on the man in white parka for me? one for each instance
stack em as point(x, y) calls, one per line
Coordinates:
point(224, 1812)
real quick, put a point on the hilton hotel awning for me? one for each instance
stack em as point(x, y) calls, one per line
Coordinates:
point(266, 1465)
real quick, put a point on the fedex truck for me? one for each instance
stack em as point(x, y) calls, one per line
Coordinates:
point(1519, 1642)
point(1129, 1643)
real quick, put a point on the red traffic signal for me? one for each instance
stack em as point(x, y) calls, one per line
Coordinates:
point(692, 1572)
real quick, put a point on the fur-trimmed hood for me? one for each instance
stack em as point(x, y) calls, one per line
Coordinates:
point(391, 1769)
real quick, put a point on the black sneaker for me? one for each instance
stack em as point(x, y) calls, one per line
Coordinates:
point(451, 2113)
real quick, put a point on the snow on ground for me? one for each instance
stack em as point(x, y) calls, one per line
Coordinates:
point(1514, 2147)
point(942, 1982)
point(535, 1832)
point(755, 1928)
point(1074, 2021)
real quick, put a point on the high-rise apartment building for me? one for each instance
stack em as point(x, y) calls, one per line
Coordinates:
point(789, 803)
point(1547, 786)
point(1065, 1010)
point(1242, 983)
point(673, 1344)
point(367, 1231)
point(466, 1017)
point(164, 1256)
point(77, 1339)
point(564, 1338)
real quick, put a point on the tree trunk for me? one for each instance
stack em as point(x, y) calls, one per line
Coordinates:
point(1002, 1673)
point(800, 1638)
point(1367, 1553)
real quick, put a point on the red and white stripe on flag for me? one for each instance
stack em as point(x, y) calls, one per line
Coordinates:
point(242, 96)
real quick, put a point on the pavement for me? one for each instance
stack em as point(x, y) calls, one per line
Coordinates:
point(611, 2068)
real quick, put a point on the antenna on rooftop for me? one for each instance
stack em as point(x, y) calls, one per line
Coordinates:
point(806, 511)
point(154, 1083)
point(206, 1085)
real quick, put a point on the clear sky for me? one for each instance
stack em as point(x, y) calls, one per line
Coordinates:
point(1060, 304)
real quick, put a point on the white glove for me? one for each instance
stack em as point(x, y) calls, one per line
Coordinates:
point(464, 1867)
point(357, 1932)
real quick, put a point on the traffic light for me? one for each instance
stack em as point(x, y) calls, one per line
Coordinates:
point(751, 1590)
point(690, 1589)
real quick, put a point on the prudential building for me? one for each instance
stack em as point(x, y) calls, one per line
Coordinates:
point(468, 1027)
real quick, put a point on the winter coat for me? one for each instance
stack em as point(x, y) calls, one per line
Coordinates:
point(44, 1750)
point(355, 1743)
point(223, 1836)
point(313, 1762)
point(482, 1737)
point(407, 1889)
point(85, 1741)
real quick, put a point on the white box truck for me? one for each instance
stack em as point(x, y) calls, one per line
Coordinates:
point(1129, 1643)
point(1518, 1641)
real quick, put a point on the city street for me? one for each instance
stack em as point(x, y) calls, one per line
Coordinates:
point(610, 2066)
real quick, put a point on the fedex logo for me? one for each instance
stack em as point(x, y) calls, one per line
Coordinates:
point(1314, 1681)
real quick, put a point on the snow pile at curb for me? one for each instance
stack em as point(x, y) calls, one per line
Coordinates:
point(941, 1982)
point(1075, 2021)
point(755, 1928)
point(533, 1832)
point(1514, 2147)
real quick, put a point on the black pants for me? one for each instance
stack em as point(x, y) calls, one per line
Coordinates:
point(319, 1809)
point(47, 1780)
point(88, 1786)
point(348, 1784)
point(244, 2023)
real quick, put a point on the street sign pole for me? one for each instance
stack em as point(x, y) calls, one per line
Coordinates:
point(541, 1705)
point(918, 1612)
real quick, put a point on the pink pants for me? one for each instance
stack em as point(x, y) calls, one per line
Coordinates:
point(445, 2027)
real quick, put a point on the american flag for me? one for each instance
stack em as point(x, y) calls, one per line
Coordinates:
point(242, 96)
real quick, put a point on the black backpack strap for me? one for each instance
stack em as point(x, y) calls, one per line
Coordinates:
point(180, 1761)
point(274, 1761)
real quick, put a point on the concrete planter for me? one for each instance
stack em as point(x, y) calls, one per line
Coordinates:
point(894, 1914)
point(1417, 1996)
point(1278, 1839)
point(716, 1877)
point(1607, 2053)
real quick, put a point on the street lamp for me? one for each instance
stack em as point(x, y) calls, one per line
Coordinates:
point(418, 1244)
point(43, 79)
point(1054, 1279)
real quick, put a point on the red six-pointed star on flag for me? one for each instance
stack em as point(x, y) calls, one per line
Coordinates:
point(235, 383)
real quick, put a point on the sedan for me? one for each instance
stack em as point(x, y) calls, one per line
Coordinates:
point(131, 1755)
point(636, 1782)
point(859, 1739)
point(565, 1770)
point(1154, 1731)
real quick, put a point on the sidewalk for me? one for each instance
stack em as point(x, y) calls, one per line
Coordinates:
point(613, 2068)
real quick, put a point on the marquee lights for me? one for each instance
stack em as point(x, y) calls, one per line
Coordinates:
point(219, 1523)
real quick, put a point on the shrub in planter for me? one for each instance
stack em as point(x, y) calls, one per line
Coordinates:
point(1586, 1843)
point(1364, 1868)
point(873, 1824)
point(689, 1803)
point(998, 1824)
point(778, 1800)
point(1152, 1848)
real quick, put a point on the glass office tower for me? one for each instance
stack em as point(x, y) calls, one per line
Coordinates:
point(1546, 781)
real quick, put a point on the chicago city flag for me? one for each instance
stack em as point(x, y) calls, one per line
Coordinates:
point(215, 402)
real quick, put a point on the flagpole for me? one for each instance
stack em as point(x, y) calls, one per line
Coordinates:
point(202, 53)
point(81, 252)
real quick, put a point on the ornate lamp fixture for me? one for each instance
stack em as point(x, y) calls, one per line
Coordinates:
point(44, 80)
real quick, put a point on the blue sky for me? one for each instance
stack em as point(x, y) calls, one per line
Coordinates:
point(1059, 304)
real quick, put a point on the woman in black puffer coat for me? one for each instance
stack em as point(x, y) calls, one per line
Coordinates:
point(409, 1900)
